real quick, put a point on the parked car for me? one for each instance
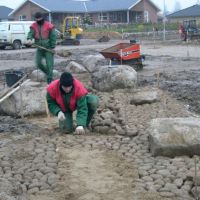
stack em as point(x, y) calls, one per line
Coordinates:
point(14, 33)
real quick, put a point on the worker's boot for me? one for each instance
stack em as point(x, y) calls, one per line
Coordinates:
point(66, 126)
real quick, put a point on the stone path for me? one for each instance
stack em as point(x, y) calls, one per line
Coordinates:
point(44, 164)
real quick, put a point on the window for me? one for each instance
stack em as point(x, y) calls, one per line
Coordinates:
point(146, 16)
point(138, 17)
point(3, 27)
point(22, 17)
point(103, 17)
point(17, 27)
point(114, 17)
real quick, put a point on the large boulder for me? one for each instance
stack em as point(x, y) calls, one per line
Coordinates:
point(28, 100)
point(144, 97)
point(38, 75)
point(108, 78)
point(75, 67)
point(92, 62)
point(104, 38)
point(174, 136)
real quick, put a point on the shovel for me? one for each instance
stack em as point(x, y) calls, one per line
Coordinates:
point(53, 51)
point(40, 47)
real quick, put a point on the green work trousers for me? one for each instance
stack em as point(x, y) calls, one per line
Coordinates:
point(67, 125)
point(47, 68)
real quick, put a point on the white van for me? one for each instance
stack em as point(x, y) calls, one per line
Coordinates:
point(14, 33)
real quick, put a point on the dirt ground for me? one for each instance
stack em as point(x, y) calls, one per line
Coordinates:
point(47, 165)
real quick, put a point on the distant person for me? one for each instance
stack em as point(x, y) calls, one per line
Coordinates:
point(45, 36)
point(155, 30)
point(182, 32)
point(67, 94)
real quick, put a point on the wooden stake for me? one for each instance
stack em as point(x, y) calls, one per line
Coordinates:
point(195, 177)
point(158, 79)
point(121, 55)
point(21, 103)
point(47, 109)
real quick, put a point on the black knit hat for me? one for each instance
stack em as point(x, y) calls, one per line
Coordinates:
point(66, 79)
point(38, 15)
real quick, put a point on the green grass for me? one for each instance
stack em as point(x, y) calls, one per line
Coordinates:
point(133, 28)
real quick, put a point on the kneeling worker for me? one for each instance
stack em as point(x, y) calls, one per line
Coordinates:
point(66, 95)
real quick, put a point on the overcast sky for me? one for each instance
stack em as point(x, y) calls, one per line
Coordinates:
point(170, 4)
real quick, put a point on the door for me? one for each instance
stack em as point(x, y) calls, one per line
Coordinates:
point(3, 35)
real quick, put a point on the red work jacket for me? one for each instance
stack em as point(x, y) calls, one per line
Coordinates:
point(46, 28)
point(78, 91)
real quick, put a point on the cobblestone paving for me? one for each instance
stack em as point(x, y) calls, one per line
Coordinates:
point(37, 162)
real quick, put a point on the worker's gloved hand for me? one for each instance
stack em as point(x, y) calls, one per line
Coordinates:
point(79, 130)
point(29, 42)
point(61, 116)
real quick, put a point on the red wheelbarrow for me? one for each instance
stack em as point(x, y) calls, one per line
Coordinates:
point(125, 53)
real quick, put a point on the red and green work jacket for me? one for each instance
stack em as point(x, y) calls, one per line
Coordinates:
point(78, 91)
point(45, 30)
point(44, 34)
point(68, 102)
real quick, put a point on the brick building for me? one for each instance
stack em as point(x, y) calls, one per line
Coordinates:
point(100, 11)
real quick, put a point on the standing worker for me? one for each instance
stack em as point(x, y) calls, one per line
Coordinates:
point(45, 37)
point(66, 95)
point(182, 32)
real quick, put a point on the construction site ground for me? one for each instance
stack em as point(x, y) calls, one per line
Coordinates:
point(49, 165)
